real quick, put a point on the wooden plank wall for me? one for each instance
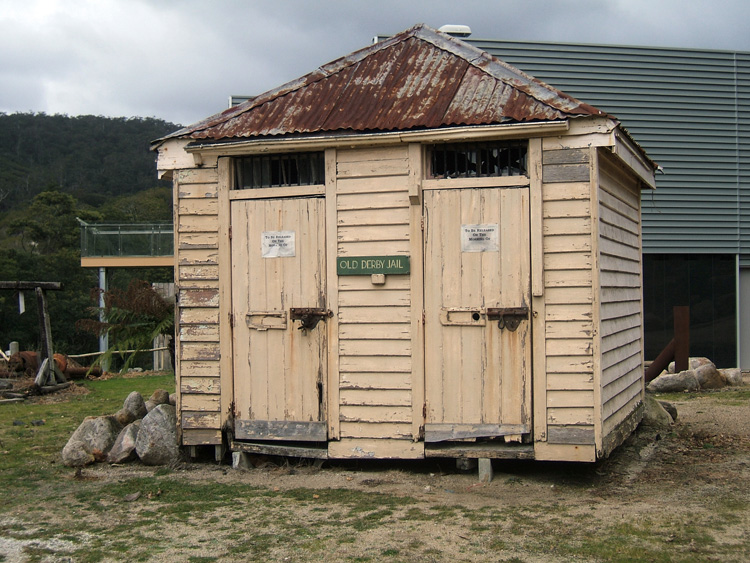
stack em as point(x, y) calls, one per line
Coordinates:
point(375, 330)
point(568, 294)
point(620, 281)
point(197, 281)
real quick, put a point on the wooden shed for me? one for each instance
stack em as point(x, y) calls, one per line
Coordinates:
point(415, 250)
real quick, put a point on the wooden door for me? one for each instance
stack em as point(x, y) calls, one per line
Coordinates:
point(279, 318)
point(477, 318)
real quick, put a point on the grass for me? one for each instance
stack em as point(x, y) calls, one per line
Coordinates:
point(91, 520)
point(725, 396)
point(29, 453)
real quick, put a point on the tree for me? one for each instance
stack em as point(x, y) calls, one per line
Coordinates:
point(49, 224)
point(54, 168)
point(147, 206)
point(135, 317)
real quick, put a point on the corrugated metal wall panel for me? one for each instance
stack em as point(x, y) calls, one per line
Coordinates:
point(689, 109)
point(743, 150)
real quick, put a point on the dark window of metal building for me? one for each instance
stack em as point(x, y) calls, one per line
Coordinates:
point(704, 282)
point(477, 160)
point(278, 170)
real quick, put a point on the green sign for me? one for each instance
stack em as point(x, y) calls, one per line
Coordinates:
point(366, 265)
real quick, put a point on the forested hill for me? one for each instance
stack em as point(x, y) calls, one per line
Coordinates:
point(53, 170)
point(89, 157)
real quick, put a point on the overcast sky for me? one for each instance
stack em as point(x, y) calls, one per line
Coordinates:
point(179, 60)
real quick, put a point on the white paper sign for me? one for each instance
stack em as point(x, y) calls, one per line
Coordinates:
point(480, 238)
point(277, 244)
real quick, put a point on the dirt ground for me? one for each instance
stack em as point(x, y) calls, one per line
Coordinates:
point(681, 492)
point(672, 494)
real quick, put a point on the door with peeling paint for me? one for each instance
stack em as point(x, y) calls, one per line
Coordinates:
point(477, 318)
point(279, 318)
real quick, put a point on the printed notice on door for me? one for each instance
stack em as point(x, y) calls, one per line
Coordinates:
point(277, 244)
point(480, 238)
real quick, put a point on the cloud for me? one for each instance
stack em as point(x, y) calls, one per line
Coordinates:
point(180, 60)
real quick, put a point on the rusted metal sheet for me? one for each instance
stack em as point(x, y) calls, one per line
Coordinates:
point(418, 79)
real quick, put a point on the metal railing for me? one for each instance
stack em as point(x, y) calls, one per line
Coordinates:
point(126, 239)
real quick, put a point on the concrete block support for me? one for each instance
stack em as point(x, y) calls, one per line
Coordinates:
point(485, 470)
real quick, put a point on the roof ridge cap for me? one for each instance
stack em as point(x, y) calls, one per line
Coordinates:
point(485, 62)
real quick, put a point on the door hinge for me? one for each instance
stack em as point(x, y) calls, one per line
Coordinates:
point(231, 320)
point(230, 232)
point(421, 224)
point(423, 317)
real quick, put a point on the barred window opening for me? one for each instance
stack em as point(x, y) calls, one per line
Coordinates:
point(279, 170)
point(478, 160)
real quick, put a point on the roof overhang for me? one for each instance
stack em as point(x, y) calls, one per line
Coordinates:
point(185, 153)
point(233, 147)
point(632, 154)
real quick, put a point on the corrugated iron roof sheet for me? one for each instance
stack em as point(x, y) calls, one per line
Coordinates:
point(418, 79)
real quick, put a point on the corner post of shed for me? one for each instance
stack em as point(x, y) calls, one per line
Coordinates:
point(226, 368)
point(539, 362)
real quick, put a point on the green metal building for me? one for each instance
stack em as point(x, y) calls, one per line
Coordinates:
point(690, 110)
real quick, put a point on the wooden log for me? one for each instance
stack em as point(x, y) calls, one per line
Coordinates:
point(42, 376)
point(20, 285)
point(75, 372)
point(661, 362)
point(52, 388)
point(52, 372)
point(4, 401)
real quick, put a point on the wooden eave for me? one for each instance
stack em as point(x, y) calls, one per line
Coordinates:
point(231, 147)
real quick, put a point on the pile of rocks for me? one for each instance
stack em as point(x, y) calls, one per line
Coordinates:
point(702, 374)
point(145, 430)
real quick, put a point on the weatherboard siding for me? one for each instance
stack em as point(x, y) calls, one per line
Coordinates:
point(375, 340)
point(197, 275)
point(568, 295)
point(620, 314)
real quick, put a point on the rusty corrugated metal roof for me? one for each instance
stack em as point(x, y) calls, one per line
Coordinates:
point(418, 79)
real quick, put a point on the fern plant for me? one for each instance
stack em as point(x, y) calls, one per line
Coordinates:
point(134, 318)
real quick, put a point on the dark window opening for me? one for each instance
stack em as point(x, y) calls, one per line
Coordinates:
point(478, 160)
point(279, 170)
point(705, 282)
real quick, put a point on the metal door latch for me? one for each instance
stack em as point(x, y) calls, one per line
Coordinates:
point(508, 317)
point(309, 316)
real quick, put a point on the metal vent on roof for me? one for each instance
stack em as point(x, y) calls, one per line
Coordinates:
point(456, 30)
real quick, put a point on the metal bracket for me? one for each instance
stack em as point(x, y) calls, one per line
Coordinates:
point(309, 316)
point(508, 317)
point(264, 320)
point(462, 316)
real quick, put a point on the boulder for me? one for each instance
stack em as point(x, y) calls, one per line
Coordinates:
point(732, 375)
point(693, 363)
point(123, 449)
point(156, 443)
point(709, 377)
point(136, 405)
point(91, 441)
point(76, 454)
point(674, 382)
point(125, 416)
point(654, 415)
point(670, 408)
point(159, 397)
point(173, 399)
